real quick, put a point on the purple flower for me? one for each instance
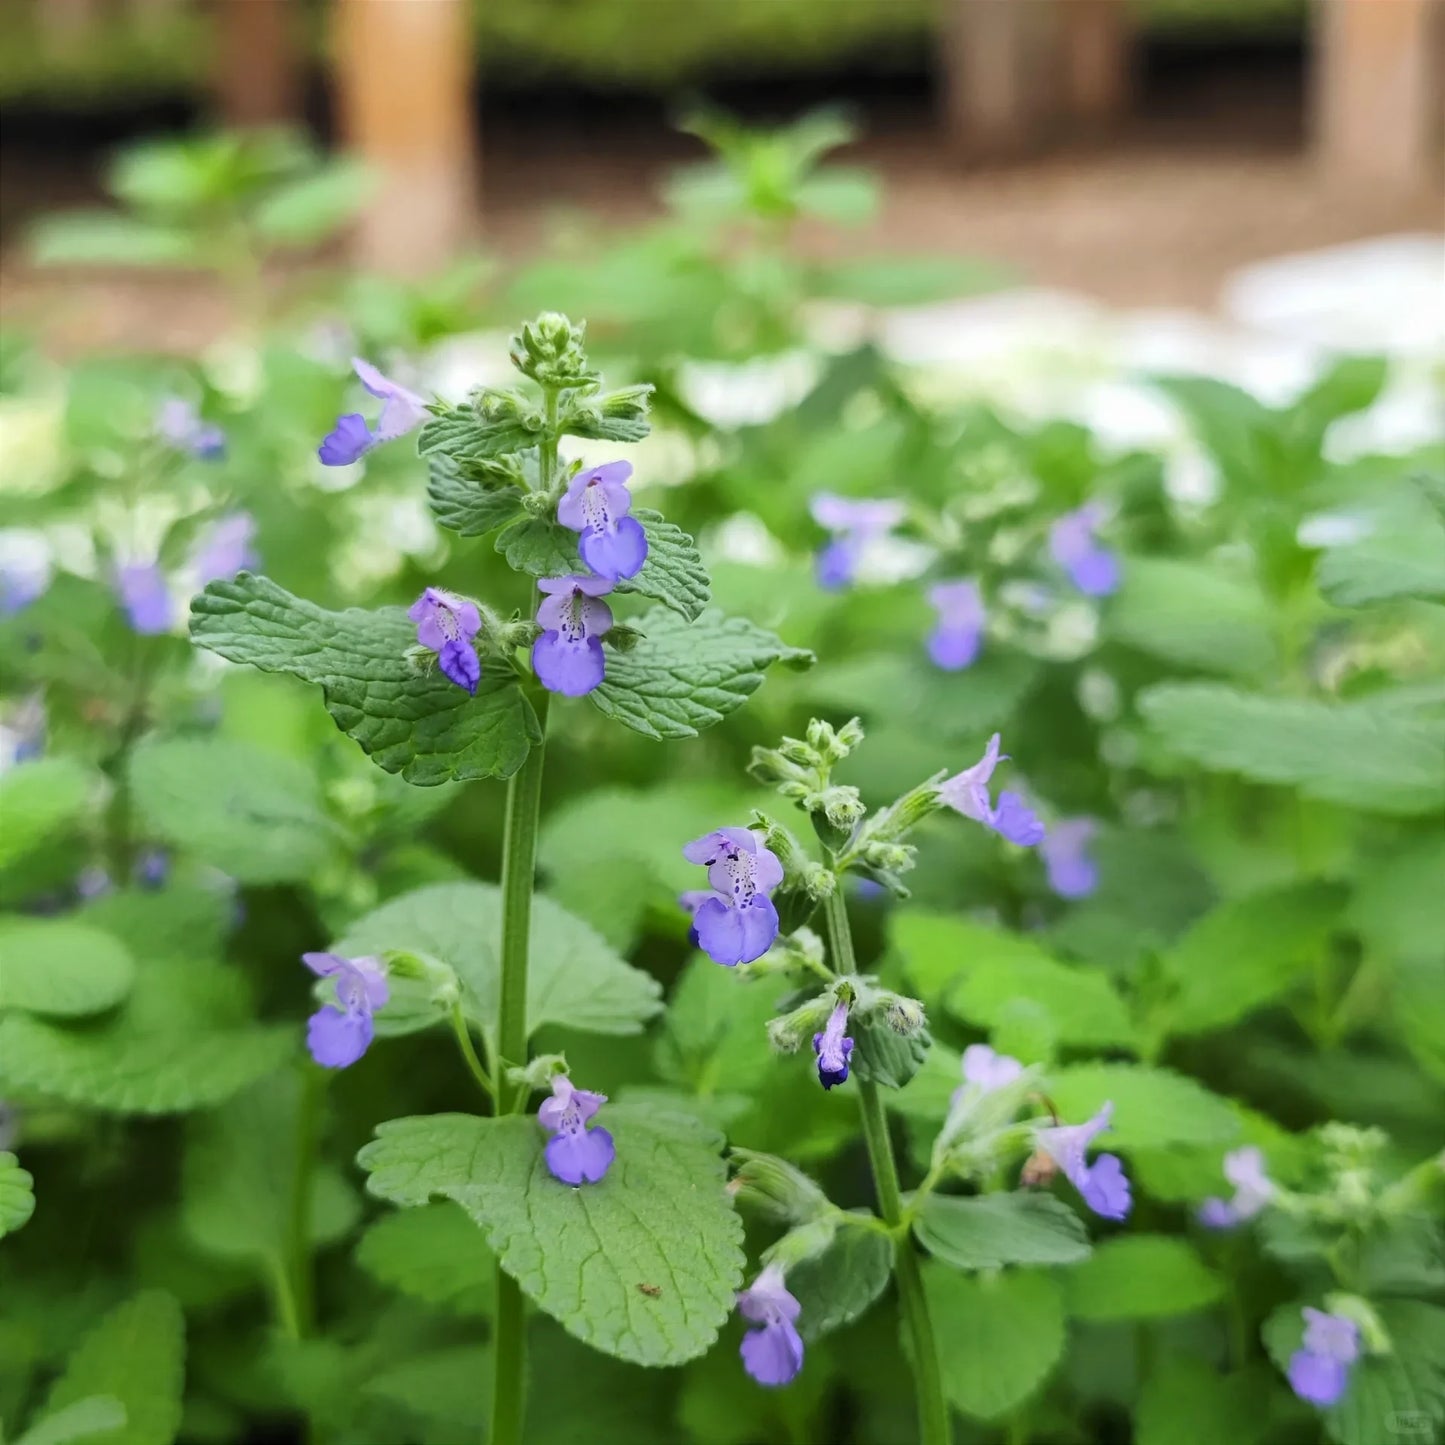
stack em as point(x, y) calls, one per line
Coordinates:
point(23, 579)
point(1253, 1189)
point(92, 882)
point(567, 657)
point(1072, 872)
point(691, 901)
point(738, 922)
point(179, 425)
point(853, 523)
point(144, 597)
point(1093, 569)
point(967, 793)
point(1319, 1371)
point(339, 1036)
point(958, 634)
point(447, 623)
point(596, 505)
point(833, 1049)
point(152, 868)
point(772, 1355)
point(1102, 1183)
point(226, 549)
point(402, 411)
point(986, 1070)
point(575, 1154)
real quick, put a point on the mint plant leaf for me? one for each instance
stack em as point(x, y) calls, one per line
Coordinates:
point(1220, 1409)
point(1153, 1107)
point(135, 1354)
point(661, 1218)
point(466, 505)
point(17, 1194)
point(60, 968)
point(463, 432)
point(575, 978)
point(989, 1231)
point(433, 1254)
point(251, 812)
point(423, 727)
point(40, 800)
point(680, 679)
point(885, 1057)
point(84, 1420)
point(540, 547)
point(1140, 1277)
point(838, 1285)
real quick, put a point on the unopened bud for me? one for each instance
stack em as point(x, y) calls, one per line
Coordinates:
point(775, 1187)
point(538, 1073)
point(905, 1016)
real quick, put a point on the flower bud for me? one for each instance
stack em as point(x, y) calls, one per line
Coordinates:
point(904, 1016)
point(775, 1187)
point(538, 1073)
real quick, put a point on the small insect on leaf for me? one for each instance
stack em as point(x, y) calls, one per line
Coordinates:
point(652, 1291)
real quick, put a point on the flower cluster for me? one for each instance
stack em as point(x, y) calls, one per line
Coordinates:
point(576, 1153)
point(735, 920)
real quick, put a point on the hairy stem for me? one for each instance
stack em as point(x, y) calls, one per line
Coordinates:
point(933, 1419)
point(519, 866)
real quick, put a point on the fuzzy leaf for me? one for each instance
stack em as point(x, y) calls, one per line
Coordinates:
point(421, 726)
point(680, 679)
point(992, 1230)
point(575, 978)
point(460, 432)
point(998, 1336)
point(467, 507)
point(886, 1057)
point(433, 1254)
point(253, 813)
point(838, 1285)
point(135, 1354)
point(1402, 555)
point(1141, 1277)
point(64, 969)
point(661, 1218)
point(17, 1194)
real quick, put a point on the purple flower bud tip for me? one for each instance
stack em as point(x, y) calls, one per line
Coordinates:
point(1103, 1185)
point(144, 597)
point(568, 657)
point(340, 1033)
point(854, 524)
point(1093, 569)
point(833, 1048)
point(967, 793)
point(1319, 1371)
point(987, 1069)
point(227, 549)
point(596, 505)
point(1253, 1189)
point(575, 1154)
point(402, 411)
point(957, 638)
point(1072, 872)
point(446, 624)
point(772, 1355)
point(737, 922)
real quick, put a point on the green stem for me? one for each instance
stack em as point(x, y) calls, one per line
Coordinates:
point(469, 1052)
point(933, 1420)
point(299, 1305)
point(519, 866)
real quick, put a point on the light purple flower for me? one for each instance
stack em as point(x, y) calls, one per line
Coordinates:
point(833, 1048)
point(1253, 1189)
point(152, 868)
point(956, 638)
point(92, 882)
point(772, 1355)
point(22, 734)
point(967, 793)
point(1072, 872)
point(23, 580)
point(144, 597)
point(575, 1154)
point(447, 623)
point(1103, 1184)
point(854, 523)
point(338, 1034)
point(179, 425)
point(1093, 569)
point(227, 549)
point(987, 1070)
point(351, 438)
point(1319, 1372)
point(738, 923)
point(567, 657)
point(596, 505)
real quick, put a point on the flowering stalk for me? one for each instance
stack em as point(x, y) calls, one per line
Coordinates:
point(933, 1419)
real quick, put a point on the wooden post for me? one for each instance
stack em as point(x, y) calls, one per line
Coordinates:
point(257, 69)
point(1375, 93)
point(404, 86)
point(1096, 51)
point(999, 59)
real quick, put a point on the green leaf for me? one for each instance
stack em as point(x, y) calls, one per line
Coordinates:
point(253, 813)
point(998, 1336)
point(1396, 903)
point(421, 726)
point(885, 1057)
point(1402, 555)
point(17, 1194)
point(136, 1354)
point(661, 1218)
point(467, 507)
point(1368, 755)
point(306, 211)
point(1184, 1401)
point(574, 980)
point(540, 547)
point(680, 679)
point(980, 974)
point(106, 238)
point(40, 800)
point(837, 1286)
point(449, 1387)
point(1193, 614)
point(462, 433)
point(1153, 1108)
point(992, 1230)
point(53, 966)
point(1247, 952)
point(85, 1419)
point(434, 1254)
point(1141, 1277)
point(183, 1041)
point(179, 923)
